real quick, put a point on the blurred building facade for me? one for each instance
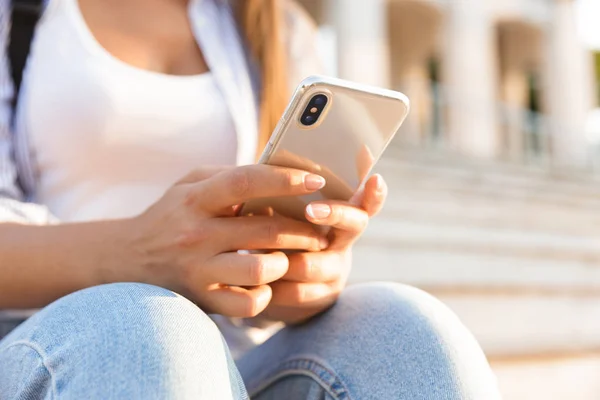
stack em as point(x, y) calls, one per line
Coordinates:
point(508, 238)
point(503, 79)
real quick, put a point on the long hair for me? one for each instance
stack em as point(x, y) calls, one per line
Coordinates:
point(262, 23)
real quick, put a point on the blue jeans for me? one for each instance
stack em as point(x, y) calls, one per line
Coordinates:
point(135, 341)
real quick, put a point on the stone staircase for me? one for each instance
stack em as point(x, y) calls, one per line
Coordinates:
point(514, 250)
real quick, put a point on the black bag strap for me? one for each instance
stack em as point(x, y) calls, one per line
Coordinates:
point(24, 17)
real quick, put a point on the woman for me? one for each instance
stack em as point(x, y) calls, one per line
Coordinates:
point(120, 100)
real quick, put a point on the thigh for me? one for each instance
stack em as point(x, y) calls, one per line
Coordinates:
point(380, 341)
point(118, 341)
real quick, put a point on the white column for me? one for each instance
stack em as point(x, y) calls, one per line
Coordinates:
point(362, 40)
point(514, 87)
point(417, 87)
point(568, 88)
point(470, 79)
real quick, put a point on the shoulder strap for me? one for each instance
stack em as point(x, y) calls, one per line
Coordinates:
point(24, 17)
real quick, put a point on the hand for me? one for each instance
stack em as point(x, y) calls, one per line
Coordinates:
point(188, 243)
point(314, 280)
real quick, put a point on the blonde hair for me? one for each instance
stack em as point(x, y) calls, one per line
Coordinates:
point(262, 22)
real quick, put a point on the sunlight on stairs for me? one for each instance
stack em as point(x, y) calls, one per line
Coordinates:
point(571, 378)
point(514, 251)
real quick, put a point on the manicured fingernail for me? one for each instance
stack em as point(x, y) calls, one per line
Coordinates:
point(264, 298)
point(314, 182)
point(380, 186)
point(323, 243)
point(318, 211)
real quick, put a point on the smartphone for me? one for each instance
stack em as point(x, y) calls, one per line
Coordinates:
point(333, 128)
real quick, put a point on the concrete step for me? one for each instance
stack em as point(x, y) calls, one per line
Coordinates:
point(572, 378)
point(508, 320)
point(468, 204)
point(513, 304)
point(449, 161)
point(508, 325)
point(407, 177)
point(445, 262)
point(535, 243)
point(519, 293)
point(420, 167)
point(513, 250)
point(448, 208)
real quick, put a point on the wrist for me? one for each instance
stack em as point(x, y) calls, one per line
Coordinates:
point(48, 262)
point(116, 259)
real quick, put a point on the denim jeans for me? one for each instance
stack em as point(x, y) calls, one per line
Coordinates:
point(135, 341)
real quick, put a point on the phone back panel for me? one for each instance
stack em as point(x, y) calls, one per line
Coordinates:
point(350, 136)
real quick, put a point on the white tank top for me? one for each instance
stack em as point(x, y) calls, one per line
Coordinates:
point(110, 138)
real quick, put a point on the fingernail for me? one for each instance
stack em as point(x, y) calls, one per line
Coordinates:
point(314, 182)
point(323, 243)
point(380, 184)
point(263, 299)
point(318, 211)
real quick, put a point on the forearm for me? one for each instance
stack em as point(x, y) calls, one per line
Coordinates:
point(39, 264)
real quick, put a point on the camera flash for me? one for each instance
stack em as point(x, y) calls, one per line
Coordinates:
point(314, 110)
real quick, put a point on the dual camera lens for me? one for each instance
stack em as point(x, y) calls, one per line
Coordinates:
point(314, 109)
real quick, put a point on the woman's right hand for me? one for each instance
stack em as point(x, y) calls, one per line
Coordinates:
point(189, 240)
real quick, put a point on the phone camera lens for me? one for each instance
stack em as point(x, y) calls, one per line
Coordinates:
point(320, 100)
point(314, 109)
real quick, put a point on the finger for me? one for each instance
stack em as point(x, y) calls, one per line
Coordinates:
point(294, 294)
point(265, 211)
point(203, 173)
point(265, 233)
point(293, 315)
point(237, 302)
point(339, 215)
point(374, 195)
point(314, 267)
point(239, 185)
point(246, 269)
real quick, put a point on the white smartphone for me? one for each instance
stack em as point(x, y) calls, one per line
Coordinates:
point(333, 128)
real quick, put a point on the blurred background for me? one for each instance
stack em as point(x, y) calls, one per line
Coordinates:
point(495, 177)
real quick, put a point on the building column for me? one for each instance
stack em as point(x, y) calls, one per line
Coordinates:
point(470, 78)
point(569, 87)
point(514, 88)
point(521, 60)
point(417, 87)
point(362, 40)
point(414, 42)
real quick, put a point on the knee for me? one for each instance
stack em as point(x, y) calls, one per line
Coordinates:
point(412, 330)
point(394, 301)
point(127, 331)
point(126, 314)
point(392, 310)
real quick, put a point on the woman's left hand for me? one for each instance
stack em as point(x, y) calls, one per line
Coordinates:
point(315, 280)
